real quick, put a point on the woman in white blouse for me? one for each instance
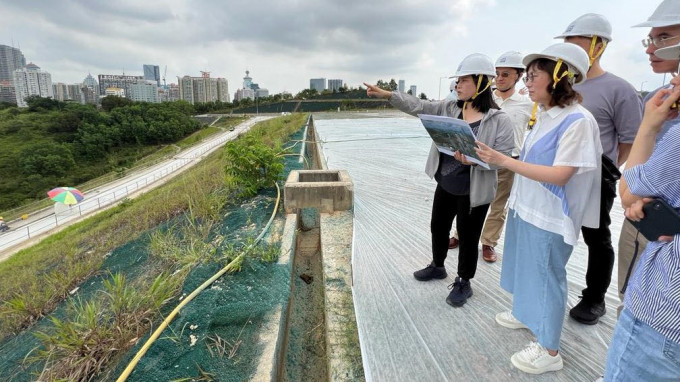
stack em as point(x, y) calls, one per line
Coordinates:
point(556, 191)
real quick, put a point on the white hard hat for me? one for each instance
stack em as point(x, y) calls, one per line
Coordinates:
point(510, 59)
point(475, 63)
point(668, 53)
point(589, 25)
point(452, 87)
point(666, 14)
point(573, 55)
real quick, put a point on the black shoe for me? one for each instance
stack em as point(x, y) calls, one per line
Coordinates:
point(430, 272)
point(588, 312)
point(460, 292)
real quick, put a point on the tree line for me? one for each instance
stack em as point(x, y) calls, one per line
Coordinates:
point(53, 143)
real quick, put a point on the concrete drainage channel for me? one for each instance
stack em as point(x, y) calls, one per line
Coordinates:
point(318, 338)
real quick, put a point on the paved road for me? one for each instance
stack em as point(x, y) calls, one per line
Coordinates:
point(46, 220)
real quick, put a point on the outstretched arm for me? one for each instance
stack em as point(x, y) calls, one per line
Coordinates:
point(374, 91)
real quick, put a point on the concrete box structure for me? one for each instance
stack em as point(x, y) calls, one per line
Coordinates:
point(327, 190)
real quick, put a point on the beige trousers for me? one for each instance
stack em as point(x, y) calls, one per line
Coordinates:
point(495, 219)
point(626, 249)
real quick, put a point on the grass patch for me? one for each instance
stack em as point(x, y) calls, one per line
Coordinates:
point(81, 346)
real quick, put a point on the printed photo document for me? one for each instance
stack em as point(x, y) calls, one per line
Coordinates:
point(451, 135)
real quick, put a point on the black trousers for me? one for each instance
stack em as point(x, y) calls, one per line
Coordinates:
point(600, 249)
point(469, 223)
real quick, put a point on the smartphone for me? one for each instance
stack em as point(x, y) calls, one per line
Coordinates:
point(661, 219)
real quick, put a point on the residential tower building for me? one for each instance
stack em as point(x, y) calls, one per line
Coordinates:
point(30, 80)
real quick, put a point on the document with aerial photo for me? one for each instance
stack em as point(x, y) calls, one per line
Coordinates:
point(451, 135)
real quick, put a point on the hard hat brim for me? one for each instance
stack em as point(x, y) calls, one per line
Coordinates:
point(668, 53)
point(528, 58)
point(565, 35)
point(656, 24)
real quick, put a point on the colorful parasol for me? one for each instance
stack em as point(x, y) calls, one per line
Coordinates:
point(66, 195)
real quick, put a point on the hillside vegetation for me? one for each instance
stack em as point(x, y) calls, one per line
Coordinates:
point(53, 143)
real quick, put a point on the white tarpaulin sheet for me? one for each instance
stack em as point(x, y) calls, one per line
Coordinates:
point(406, 329)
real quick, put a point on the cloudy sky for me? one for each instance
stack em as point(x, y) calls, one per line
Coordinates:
point(285, 43)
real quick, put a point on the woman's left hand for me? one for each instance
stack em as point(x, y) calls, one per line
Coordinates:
point(461, 158)
point(635, 213)
point(489, 155)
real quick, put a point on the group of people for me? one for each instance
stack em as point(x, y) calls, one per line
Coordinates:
point(554, 160)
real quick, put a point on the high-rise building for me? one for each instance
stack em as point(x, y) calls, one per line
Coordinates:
point(113, 91)
point(248, 81)
point(91, 83)
point(402, 86)
point(75, 93)
point(152, 73)
point(171, 93)
point(317, 83)
point(261, 93)
point(60, 91)
point(144, 91)
point(7, 92)
point(414, 91)
point(117, 81)
point(203, 89)
point(89, 95)
point(11, 59)
point(334, 84)
point(244, 93)
point(30, 80)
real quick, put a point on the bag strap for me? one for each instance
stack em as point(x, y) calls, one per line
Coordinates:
point(632, 263)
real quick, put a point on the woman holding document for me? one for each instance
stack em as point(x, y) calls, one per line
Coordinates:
point(464, 191)
point(556, 191)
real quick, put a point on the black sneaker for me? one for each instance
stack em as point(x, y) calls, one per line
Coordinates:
point(588, 312)
point(460, 292)
point(430, 272)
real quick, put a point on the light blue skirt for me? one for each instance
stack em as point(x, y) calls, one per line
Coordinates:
point(534, 271)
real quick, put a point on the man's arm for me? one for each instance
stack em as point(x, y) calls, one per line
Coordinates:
point(624, 150)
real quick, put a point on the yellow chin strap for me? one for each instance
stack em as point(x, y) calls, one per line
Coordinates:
point(557, 79)
point(477, 92)
point(532, 120)
point(592, 56)
point(479, 83)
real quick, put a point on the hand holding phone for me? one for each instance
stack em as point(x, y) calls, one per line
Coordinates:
point(655, 219)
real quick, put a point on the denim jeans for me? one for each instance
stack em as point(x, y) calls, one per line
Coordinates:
point(640, 353)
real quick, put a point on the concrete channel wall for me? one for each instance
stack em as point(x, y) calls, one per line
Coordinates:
point(342, 358)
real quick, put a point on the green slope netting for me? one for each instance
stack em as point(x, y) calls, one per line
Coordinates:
point(233, 308)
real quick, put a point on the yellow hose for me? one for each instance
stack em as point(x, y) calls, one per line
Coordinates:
point(131, 366)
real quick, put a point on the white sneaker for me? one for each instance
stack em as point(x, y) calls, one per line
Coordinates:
point(534, 359)
point(509, 321)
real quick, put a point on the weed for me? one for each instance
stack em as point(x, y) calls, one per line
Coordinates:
point(79, 348)
point(223, 347)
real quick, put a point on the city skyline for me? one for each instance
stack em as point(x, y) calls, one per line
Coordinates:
point(284, 45)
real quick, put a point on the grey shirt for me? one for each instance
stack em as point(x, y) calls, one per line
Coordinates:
point(617, 108)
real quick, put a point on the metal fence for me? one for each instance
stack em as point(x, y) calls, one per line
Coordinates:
point(96, 200)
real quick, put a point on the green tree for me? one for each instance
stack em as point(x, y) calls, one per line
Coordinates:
point(253, 166)
point(393, 85)
point(37, 103)
point(46, 159)
point(111, 102)
point(422, 96)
